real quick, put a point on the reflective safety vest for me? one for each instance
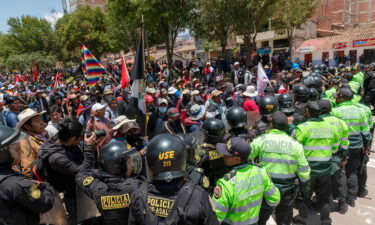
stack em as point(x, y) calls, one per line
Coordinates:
point(357, 122)
point(360, 78)
point(319, 139)
point(368, 112)
point(343, 131)
point(329, 94)
point(355, 86)
point(282, 157)
point(239, 194)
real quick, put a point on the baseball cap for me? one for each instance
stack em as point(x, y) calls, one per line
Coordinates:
point(97, 106)
point(216, 93)
point(235, 146)
point(325, 105)
point(162, 100)
point(173, 112)
point(279, 120)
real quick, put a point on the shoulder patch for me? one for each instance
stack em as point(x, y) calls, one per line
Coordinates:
point(87, 181)
point(217, 192)
point(229, 175)
point(205, 182)
point(35, 192)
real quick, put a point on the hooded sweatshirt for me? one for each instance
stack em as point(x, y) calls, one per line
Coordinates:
point(62, 163)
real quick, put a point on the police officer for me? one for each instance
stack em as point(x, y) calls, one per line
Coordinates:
point(193, 156)
point(340, 154)
point(239, 194)
point(359, 137)
point(168, 198)
point(355, 86)
point(237, 120)
point(21, 199)
point(333, 85)
point(284, 160)
point(301, 97)
point(286, 106)
point(111, 187)
point(267, 105)
point(212, 161)
point(318, 138)
point(314, 94)
point(369, 87)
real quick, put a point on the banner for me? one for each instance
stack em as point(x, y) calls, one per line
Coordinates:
point(262, 79)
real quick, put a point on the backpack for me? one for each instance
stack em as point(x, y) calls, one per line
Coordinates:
point(39, 168)
point(177, 216)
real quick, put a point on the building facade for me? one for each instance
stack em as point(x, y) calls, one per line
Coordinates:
point(71, 5)
point(342, 14)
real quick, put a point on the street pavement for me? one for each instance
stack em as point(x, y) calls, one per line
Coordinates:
point(364, 211)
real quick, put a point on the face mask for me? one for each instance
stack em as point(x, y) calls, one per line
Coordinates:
point(162, 109)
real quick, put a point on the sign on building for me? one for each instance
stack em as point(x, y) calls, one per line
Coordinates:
point(340, 45)
point(364, 42)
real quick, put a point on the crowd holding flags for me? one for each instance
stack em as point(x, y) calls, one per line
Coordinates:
point(91, 67)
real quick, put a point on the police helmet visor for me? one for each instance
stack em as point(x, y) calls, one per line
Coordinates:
point(136, 162)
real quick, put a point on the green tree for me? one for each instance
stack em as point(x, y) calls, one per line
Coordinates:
point(289, 15)
point(86, 25)
point(30, 34)
point(167, 18)
point(215, 22)
point(250, 17)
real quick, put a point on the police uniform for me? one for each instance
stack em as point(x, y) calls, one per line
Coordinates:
point(112, 194)
point(168, 198)
point(169, 203)
point(369, 98)
point(318, 138)
point(213, 164)
point(22, 199)
point(359, 137)
point(239, 195)
point(284, 160)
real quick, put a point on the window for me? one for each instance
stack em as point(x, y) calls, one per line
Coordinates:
point(265, 44)
point(192, 53)
point(281, 43)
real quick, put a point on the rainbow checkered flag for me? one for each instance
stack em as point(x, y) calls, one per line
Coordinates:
point(91, 67)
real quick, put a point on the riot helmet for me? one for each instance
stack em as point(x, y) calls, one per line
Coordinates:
point(114, 156)
point(316, 67)
point(301, 93)
point(332, 70)
point(9, 139)
point(286, 103)
point(348, 76)
point(314, 94)
point(236, 117)
point(323, 67)
point(166, 157)
point(267, 105)
point(191, 146)
point(214, 130)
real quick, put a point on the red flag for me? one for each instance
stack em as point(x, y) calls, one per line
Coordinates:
point(18, 79)
point(124, 73)
point(35, 72)
point(57, 80)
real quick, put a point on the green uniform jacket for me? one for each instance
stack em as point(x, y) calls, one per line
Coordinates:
point(319, 139)
point(368, 113)
point(329, 94)
point(238, 196)
point(360, 78)
point(357, 122)
point(355, 86)
point(282, 157)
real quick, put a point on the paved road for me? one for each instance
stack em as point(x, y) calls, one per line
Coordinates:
point(363, 213)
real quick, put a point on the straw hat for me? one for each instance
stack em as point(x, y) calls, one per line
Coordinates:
point(26, 115)
point(250, 92)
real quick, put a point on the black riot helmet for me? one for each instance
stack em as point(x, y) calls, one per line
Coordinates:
point(316, 67)
point(323, 67)
point(267, 105)
point(341, 66)
point(237, 117)
point(166, 157)
point(286, 103)
point(214, 130)
point(191, 145)
point(348, 76)
point(332, 70)
point(8, 136)
point(113, 158)
point(301, 93)
point(314, 94)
